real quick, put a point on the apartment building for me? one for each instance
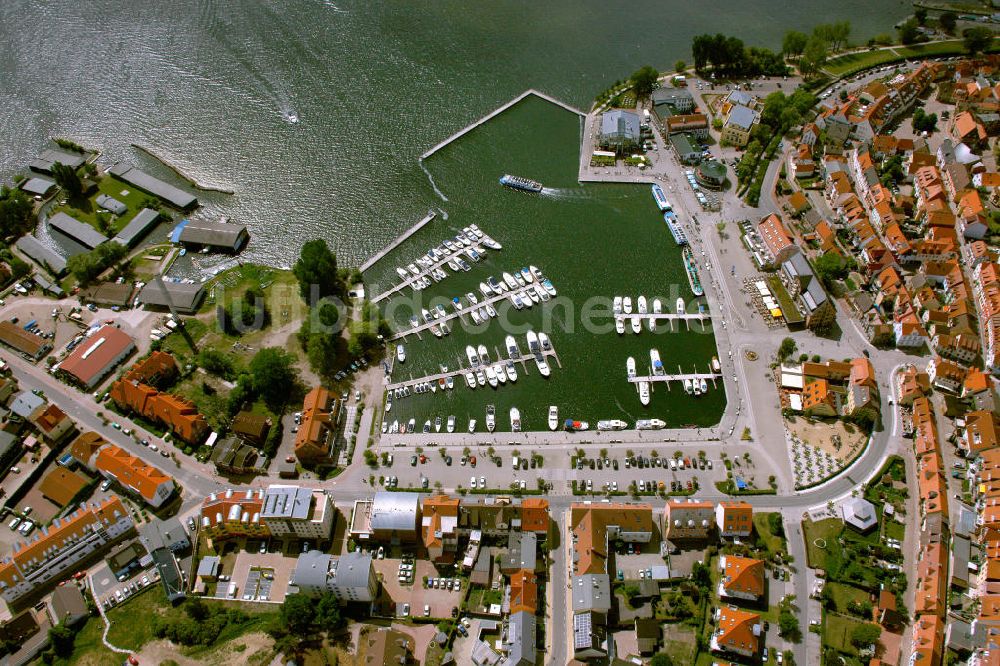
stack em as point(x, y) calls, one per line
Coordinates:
point(349, 578)
point(292, 511)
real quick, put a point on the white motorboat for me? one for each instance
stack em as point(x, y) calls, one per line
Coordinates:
point(516, 300)
point(413, 269)
point(480, 378)
point(490, 310)
point(657, 309)
point(630, 367)
point(436, 330)
point(388, 401)
point(553, 417)
point(437, 424)
point(655, 362)
point(440, 311)
point(472, 254)
point(680, 306)
point(542, 365)
point(696, 387)
point(385, 427)
point(470, 353)
point(515, 419)
point(394, 428)
point(401, 354)
point(549, 287)
point(542, 294)
point(444, 328)
point(496, 285)
point(451, 423)
point(509, 280)
point(611, 424)
point(627, 305)
point(472, 298)
point(716, 367)
point(463, 239)
point(450, 381)
point(501, 373)
point(453, 265)
point(636, 324)
point(483, 314)
point(491, 418)
point(532, 296)
point(470, 379)
point(650, 424)
point(510, 371)
point(526, 275)
point(688, 387)
point(472, 425)
point(484, 355)
point(533, 345)
point(491, 375)
point(512, 351)
point(644, 393)
point(537, 274)
point(476, 319)
point(492, 244)
point(425, 313)
point(704, 385)
point(463, 264)
point(641, 306)
point(414, 322)
point(620, 325)
point(402, 273)
point(427, 425)
point(616, 305)
point(486, 290)
point(543, 340)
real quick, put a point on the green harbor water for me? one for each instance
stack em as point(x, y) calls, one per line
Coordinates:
point(591, 241)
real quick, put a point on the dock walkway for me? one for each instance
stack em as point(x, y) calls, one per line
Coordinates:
point(502, 358)
point(408, 282)
point(497, 112)
point(375, 258)
point(417, 330)
point(679, 377)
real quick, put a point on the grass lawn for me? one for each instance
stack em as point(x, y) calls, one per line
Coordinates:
point(88, 650)
point(837, 632)
point(85, 208)
point(131, 624)
point(679, 643)
point(788, 309)
point(843, 595)
point(773, 542)
point(827, 530)
point(854, 61)
point(894, 530)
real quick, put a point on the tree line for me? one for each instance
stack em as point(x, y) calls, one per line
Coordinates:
point(729, 57)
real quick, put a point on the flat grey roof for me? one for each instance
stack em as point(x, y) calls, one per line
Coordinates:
point(181, 296)
point(591, 592)
point(286, 502)
point(112, 204)
point(82, 233)
point(138, 227)
point(44, 255)
point(50, 156)
point(395, 511)
point(217, 234)
point(37, 185)
point(311, 569)
point(172, 195)
point(620, 123)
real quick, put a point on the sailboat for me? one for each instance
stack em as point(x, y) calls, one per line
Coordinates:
point(437, 424)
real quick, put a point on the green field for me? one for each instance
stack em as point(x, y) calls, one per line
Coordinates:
point(837, 632)
point(827, 530)
point(853, 62)
point(843, 595)
point(773, 542)
point(85, 208)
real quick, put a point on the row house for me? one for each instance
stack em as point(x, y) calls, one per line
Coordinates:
point(946, 375)
point(987, 281)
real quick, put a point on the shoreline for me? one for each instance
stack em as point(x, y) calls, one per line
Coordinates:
point(191, 181)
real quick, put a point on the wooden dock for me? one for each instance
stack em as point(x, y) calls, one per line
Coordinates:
point(679, 377)
point(670, 318)
point(523, 359)
point(497, 112)
point(408, 282)
point(453, 314)
point(374, 259)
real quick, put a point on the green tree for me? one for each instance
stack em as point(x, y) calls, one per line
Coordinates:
point(298, 613)
point(786, 349)
point(196, 609)
point(62, 639)
point(661, 659)
point(245, 314)
point(813, 56)
point(977, 39)
point(923, 121)
point(274, 376)
point(643, 80)
point(947, 21)
point(908, 33)
point(16, 214)
point(680, 66)
point(67, 178)
point(830, 267)
point(701, 575)
point(794, 43)
point(88, 266)
point(328, 616)
point(866, 634)
point(316, 271)
point(920, 13)
point(217, 363)
point(788, 625)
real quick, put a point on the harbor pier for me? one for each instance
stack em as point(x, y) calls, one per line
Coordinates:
point(372, 260)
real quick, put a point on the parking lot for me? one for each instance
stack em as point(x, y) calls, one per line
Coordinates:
point(260, 576)
point(440, 601)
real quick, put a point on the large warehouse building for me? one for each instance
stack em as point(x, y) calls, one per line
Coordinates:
point(95, 358)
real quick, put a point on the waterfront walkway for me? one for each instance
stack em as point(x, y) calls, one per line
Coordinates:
point(521, 358)
point(531, 91)
point(375, 258)
point(417, 330)
point(408, 282)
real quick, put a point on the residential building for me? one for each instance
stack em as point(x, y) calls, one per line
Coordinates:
point(439, 526)
point(592, 593)
point(738, 124)
point(233, 513)
point(314, 440)
point(818, 399)
point(234, 456)
point(982, 432)
point(68, 605)
point(535, 515)
point(776, 239)
point(32, 347)
point(858, 513)
point(134, 474)
point(389, 517)
point(520, 553)
point(945, 375)
point(734, 519)
point(680, 100)
point(523, 592)
point(56, 550)
point(928, 640)
point(136, 392)
point(737, 631)
point(683, 520)
point(742, 578)
point(388, 647)
point(296, 512)
point(519, 643)
point(588, 636)
point(53, 424)
point(932, 580)
point(349, 578)
point(97, 356)
point(595, 525)
point(808, 293)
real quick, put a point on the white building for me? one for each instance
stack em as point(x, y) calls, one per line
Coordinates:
point(302, 513)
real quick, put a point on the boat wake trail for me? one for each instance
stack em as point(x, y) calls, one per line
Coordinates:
point(564, 193)
point(444, 213)
point(433, 184)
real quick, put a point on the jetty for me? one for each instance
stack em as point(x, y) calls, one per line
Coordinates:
point(177, 170)
point(408, 282)
point(679, 377)
point(374, 259)
point(669, 317)
point(497, 112)
point(523, 359)
point(455, 314)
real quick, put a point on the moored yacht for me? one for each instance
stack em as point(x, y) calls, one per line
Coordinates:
point(543, 339)
point(472, 425)
point(484, 355)
point(501, 373)
point(511, 371)
point(575, 426)
point(655, 362)
point(437, 424)
point(627, 305)
point(470, 379)
point(526, 275)
point(401, 354)
point(650, 424)
point(715, 364)
point(616, 305)
point(688, 386)
point(553, 417)
point(491, 418)
point(704, 385)
point(491, 375)
point(549, 287)
point(451, 423)
point(470, 353)
point(611, 424)
point(509, 280)
point(630, 367)
point(480, 378)
point(680, 306)
point(620, 325)
point(515, 419)
point(512, 351)
point(644, 393)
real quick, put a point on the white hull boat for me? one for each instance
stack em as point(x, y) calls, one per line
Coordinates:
point(627, 305)
point(644, 393)
point(512, 351)
point(472, 425)
point(650, 424)
point(655, 362)
point(553, 417)
point(451, 423)
point(515, 419)
point(491, 418)
point(612, 424)
point(511, 371)
point(401, 354)
point(680, 306)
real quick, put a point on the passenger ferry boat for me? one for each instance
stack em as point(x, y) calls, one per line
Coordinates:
point(519, 183)
point(675, 228)
point(660, 198)
point(691, 266)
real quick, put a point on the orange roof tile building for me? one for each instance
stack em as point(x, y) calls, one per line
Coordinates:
point(234, 513)
point(439, 526)
point(742, 578)
point(932, 580)
point(818, 399)
point(737, 631)
point(734, 519)
point(524, 592)
point(535, 515)
point(135, 475)
point(776, 239)
point(135, 392)
point(314, 440)
point(687, 520)
point(928, 641)
point(982, 432)
point(594, 525)
point(55, 550)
